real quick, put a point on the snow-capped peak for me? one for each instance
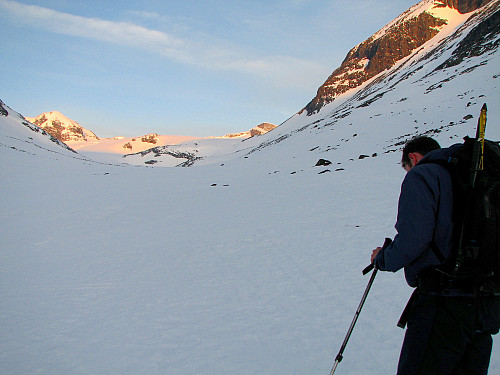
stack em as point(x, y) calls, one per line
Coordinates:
point(62, 127)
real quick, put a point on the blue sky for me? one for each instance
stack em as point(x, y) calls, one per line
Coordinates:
point(177, 67)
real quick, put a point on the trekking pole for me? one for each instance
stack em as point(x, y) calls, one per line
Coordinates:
point(339, 356)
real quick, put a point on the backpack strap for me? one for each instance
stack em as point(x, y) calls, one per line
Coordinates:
point(406, 312)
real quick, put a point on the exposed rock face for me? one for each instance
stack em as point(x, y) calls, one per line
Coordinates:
point(262, 129)
point(61, 127)
point(150, 138)
point(258, 130)
point(464, 6)
point(384, 49)
point(3, 111)
point(8, 112)
point(481, 39)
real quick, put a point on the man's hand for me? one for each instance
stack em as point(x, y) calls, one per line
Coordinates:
point(375, 252)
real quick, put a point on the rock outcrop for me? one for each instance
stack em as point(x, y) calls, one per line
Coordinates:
point(262, 129)
point(61, 127)
point(381, 51)
point(464, 6)
point(257, 130)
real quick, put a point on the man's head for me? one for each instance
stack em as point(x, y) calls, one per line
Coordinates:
point(415, 149)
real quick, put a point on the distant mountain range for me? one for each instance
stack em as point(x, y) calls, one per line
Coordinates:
point(79, 138)
point(426, 72)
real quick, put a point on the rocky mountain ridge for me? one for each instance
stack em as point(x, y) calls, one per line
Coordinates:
point(69, 131)
point(381, 51)
point(437, 90)
point(61, 127)
point(464, 6)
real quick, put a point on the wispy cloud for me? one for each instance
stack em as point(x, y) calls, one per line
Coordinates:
point(122, 33)
point(281, 70)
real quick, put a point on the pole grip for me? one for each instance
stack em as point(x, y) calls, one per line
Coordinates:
point(371, 266)
point(368, 268)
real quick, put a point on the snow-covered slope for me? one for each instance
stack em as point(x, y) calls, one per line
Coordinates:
point(215, 269)
point(126, 145)
point(85, 141)
point(260, 129)
point(186, 154)
point(21, 135)
point(248, 263)
point(438, 88)
point(29, 142)
point(392, 43)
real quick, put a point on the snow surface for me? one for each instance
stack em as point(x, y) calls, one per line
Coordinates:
point(116, 145)
point(124, 270)
point(247, 263)
point(110, 269)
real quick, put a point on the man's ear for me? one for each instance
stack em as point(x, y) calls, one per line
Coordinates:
point(413, 158)
point(418, 157)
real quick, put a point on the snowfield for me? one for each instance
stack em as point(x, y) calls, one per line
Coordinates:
point(125, 270)
point(217, 269)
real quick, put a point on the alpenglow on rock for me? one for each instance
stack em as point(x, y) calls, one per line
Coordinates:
point(262, 129)
point(61, 127)
point(382, 50)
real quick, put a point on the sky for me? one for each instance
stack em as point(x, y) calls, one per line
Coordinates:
point(177, 67)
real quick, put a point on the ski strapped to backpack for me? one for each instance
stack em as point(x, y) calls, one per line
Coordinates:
point(474, 266)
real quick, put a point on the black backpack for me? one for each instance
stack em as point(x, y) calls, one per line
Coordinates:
point(475, 262)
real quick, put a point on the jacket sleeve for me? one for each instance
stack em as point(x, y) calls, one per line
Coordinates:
point(415, 223)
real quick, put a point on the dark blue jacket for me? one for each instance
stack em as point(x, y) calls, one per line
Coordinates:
point(424, 217)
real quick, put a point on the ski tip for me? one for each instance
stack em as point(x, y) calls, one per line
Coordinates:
point(484, 107)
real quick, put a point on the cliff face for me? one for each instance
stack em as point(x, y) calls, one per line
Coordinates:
point(464, 6)
point(384, 49)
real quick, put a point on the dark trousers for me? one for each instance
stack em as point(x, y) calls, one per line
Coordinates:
point(449, 335)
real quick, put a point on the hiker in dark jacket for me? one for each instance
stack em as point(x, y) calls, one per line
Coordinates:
point(447, 332)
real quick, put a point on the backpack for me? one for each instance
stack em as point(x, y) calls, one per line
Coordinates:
point(474, 265)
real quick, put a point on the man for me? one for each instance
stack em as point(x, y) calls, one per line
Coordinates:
point(448, 333)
